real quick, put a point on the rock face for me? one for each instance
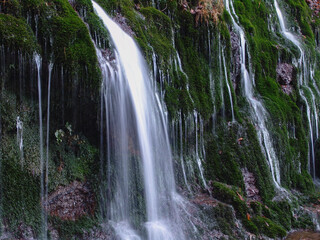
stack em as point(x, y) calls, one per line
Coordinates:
point(314, 5)
point(250, 184)
point(285, 77)
point(236, 64)
point(122, 21)
point(71, 202)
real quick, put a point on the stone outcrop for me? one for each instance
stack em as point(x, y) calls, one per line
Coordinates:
point(236, 62)
point(252, 191)
point(314, 5)
point(71, 202)
point(122, 21)
point(285, 77)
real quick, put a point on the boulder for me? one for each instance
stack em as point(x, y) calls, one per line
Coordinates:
point(285, 77)
point(314, 5)
point(252, 191)
point(71, 202)
point(236, 62)
point(284, 73)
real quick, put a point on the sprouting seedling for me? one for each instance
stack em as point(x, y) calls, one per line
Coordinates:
point(69, 127)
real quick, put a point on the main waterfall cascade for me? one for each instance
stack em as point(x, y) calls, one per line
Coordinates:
point(135, 127)
point(305, 80)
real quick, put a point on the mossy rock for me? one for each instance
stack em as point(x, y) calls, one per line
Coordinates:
point(268, 227)
point(226, 194)
point(15, 33)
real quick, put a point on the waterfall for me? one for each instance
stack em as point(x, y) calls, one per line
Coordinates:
point(136, 151)
point(302, 82)
point(258, 112)
point(44, 226)
point(46, 177)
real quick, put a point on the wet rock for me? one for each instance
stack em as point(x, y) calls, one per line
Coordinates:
point(104, 232)
point(71, 202)
point(54, 235)
point(122, 21)
point(25, 232)
point(287, 89)
point(284, 73)
point(236, 63)
point(250, 184)
point(314, 5)
point(285, 77)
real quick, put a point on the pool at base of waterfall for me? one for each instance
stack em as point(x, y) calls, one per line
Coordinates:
point(303, 235)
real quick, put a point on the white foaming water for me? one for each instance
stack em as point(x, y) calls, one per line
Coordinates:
point(19, 126)
point(259, 114)
point(303, 81)
point(136, 139)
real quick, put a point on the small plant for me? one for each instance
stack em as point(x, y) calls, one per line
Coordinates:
point(209, 10)
point(59, 135)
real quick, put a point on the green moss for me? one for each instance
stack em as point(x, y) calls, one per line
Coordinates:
point(223, 215)
point(15, 33)
point(12, 7)
point(302, 13)
point(269, 228)
point(20, 187)
point(225, 194)
point(282, 108)
point(250, 226)
point(225, 152)
point(74, 158)
point(73, 229)
point(303, 222)
point(256, 207)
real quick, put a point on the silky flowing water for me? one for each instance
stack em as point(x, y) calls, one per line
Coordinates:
point(136, 155)
point(258, 113)
point(303, 81)
point(44, 224)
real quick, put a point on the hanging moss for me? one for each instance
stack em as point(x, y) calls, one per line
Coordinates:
point(15, 33)
point(269, 228)
point(302, 13)
point(11, 7)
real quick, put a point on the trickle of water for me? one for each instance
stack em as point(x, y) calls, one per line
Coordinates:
point(137, 145)
point(228, 85)
point(258, 112)
point(20, 138)
point(197, 151)
point(181, 153)
point(46, 178)
point(44, 226)
point(303, 81)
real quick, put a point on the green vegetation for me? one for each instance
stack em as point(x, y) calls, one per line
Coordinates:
point(72, 158)
point(56, 30)
point(272, 221)
point(283, 109)
point(15, 33)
